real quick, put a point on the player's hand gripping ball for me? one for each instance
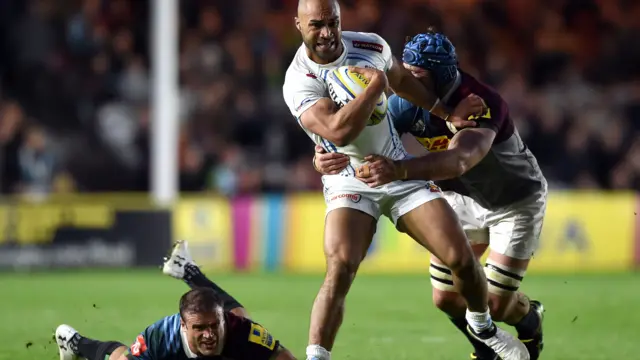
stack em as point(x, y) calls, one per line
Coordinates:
point(345, 85)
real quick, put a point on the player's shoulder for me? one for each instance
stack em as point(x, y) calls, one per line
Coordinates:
point(299, 73)
point(159, 340)
point(247, 339)
point(364, 41)
point(476, 86)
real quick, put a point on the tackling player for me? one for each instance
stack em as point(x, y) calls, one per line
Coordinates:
point(210, 324)
point(493, 182)
point(352, 207)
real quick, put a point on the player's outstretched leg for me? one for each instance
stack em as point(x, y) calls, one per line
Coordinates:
point(180, 265)
point(73, 346)
point(443, 236)
point(347, 236)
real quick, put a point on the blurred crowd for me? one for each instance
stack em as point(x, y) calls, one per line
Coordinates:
point(75, 87)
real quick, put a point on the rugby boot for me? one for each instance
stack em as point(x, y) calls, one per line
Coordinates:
point(535, 344)
point(67, 339)
point(505, 345)
point(180, 256)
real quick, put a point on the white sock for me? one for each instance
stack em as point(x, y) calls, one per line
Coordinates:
point(318, 352)
point(479, 321)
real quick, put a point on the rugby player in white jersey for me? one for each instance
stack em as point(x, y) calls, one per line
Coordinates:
point(352, 207)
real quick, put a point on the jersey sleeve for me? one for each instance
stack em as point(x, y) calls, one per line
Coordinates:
point(497, 112)
point(302, 91)
point(387, 56)
point(247, 340)
point(407, 117)
point(158, 341)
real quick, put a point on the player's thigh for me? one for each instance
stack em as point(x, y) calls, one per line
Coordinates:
point(431, 221)
point(513, 240)
point(352, 211)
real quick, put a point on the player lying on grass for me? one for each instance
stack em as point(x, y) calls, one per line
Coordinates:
point(490, 178)
point(210, 324)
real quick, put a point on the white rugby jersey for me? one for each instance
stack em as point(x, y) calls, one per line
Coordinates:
point(305, 84)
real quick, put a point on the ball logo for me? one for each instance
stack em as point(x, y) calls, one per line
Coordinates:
point(334, 96)
point(353, 197)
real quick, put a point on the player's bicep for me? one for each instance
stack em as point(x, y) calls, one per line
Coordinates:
point(473, 144)
point(318, 118)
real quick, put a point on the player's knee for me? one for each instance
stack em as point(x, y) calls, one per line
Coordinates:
point(462, 263)
point(341, 270)
point(504, 283)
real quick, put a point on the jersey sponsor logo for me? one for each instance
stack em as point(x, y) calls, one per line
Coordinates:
point(353, 197)
point(139, 346)
point(259, 335)
point(367, 46)
point(435, 144)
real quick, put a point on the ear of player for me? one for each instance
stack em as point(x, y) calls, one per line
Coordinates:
point(345, 85)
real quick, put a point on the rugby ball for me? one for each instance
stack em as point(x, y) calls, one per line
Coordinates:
point(345, 85)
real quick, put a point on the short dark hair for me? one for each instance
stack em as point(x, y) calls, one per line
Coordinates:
point(199, 300)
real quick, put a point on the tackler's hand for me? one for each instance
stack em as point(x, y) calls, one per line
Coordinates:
point(380, 170)
point(471, 106)
point(329, 163)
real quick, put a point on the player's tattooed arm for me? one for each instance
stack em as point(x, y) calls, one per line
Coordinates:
point(342, 126)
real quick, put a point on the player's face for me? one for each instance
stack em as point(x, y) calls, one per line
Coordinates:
point(421, 74)
point(203, 332)
point(321, 32)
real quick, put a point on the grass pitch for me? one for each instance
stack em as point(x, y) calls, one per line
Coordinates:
point(388, 317)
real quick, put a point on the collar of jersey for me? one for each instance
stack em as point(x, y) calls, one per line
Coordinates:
point(332, 64)
point(455, 85)
point(185, 345)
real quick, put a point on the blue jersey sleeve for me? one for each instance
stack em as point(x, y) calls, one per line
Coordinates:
point(159, 341)
point(406, 117)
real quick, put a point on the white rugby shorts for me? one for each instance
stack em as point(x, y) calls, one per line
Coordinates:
point(392, 200)
point(513, 231)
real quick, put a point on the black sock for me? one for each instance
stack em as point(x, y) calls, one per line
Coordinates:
point(195, 278)
point(528, 326)
point(93, 349)
point(481, 350)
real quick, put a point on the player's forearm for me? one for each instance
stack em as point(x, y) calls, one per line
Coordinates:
point(349, 121)
point(443, 165)
point(415, 92)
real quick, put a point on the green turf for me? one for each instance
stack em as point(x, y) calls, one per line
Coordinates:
point(388, 318)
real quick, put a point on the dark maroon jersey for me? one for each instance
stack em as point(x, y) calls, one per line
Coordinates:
point(507, 174)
